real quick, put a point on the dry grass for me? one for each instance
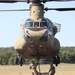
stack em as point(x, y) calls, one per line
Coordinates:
point(62, 69)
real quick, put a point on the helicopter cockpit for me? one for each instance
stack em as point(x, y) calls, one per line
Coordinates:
point(31, 24)
point(42, 26)
point(37, 25)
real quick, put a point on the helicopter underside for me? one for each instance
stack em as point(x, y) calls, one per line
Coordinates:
point(37, 49)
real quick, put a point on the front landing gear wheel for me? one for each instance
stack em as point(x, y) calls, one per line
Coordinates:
point(16, 61)
point(21, 61)
point(56, 60)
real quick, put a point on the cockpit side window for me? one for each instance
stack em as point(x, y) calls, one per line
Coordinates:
point(48, 23)
point(28, 24)
point(43, 24)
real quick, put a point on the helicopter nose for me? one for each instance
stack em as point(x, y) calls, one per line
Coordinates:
point(36, 35)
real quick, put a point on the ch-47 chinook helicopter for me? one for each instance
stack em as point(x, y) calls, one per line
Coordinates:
point(37, 39)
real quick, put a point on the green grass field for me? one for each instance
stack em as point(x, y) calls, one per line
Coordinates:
point(62, 69)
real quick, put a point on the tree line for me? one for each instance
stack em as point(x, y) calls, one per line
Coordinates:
point(8, 56)
point(67, 54)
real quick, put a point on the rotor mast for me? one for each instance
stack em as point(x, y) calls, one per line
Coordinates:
point(36, 11)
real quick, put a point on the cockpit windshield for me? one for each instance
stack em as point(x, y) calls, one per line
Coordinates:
point(29, 24)
point(36, 24)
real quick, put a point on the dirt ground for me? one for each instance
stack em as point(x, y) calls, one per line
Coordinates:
point(62, 69)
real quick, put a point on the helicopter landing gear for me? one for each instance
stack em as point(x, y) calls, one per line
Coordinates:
point(38, 64)
point(19, 60)
point(56, 60)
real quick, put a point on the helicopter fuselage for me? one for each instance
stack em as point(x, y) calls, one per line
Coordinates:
point(37, 39)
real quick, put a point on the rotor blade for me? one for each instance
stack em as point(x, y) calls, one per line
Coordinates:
point(60, 0)
point(14, 10)
point(7, 1)
point(65, 9)
point(60, 9)
point(12, 1)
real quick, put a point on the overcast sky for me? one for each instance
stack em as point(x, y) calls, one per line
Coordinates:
point(10, 22)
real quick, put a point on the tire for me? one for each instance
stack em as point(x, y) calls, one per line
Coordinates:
point(21, 61)
point(17, 61)
point(56, 60)
point(56, 64)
